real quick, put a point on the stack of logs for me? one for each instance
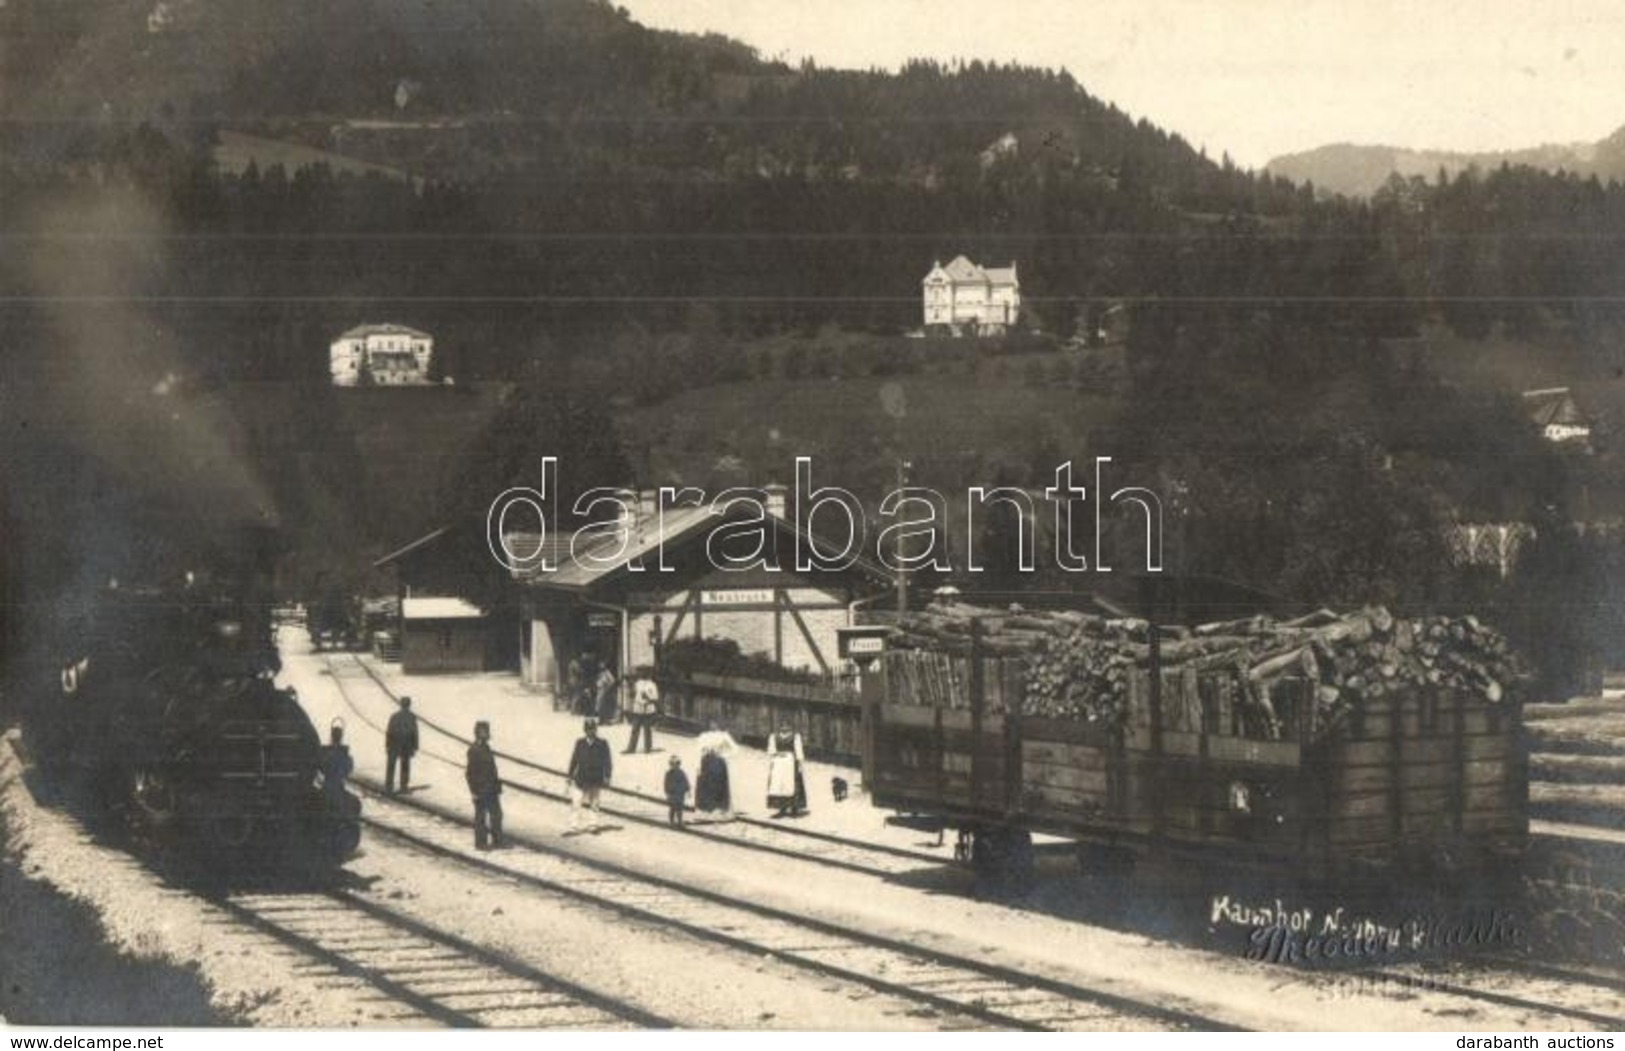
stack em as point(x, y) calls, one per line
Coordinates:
point(1078, 665)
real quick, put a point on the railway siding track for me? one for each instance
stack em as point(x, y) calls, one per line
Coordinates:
point(393, 968)
point(431, 977)
point(987, 993)
point(1535, 998)
point(1541, 990)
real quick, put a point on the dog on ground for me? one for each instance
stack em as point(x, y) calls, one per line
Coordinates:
point(838, 788)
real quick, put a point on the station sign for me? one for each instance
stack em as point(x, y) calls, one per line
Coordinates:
point(737, 597)
point(862, 642)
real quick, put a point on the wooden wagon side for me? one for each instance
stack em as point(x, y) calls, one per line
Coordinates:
point(1428, 775)
point(1424, 774)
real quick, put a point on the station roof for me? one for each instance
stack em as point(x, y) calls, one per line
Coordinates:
point(439, 608)
point(385, 329)
point(602, 558)
point(399, 553)
point(1554, 405)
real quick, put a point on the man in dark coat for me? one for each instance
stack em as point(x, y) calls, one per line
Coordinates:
point(401, 744)
point(486, 788)
point(591, 766)
point(337, 766)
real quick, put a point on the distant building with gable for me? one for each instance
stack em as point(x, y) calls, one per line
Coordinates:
point(383, 355)
point(1556, 414)
point(970, 299)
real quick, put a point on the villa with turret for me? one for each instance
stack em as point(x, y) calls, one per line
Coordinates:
point(967, 299)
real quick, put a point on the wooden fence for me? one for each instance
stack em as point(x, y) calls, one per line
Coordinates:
point(828, 715)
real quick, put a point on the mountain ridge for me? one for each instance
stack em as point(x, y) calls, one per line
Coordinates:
point(1359, 169)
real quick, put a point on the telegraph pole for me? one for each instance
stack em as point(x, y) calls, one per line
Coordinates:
point(897, 553)
point(895, 403)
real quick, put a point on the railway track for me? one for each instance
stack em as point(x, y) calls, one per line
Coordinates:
point(414, 975)
point(1540, 989)
point(750, 833)
point(988, 994)
point(399, 969)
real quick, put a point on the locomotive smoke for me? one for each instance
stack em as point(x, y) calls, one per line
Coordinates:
point(110, 387)
point(112, 469)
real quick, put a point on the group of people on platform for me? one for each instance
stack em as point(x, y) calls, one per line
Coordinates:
point(592, 690)
point(591, 765)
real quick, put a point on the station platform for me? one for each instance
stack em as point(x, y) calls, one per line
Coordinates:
point(526, 726)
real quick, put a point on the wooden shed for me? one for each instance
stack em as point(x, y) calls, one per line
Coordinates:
point(440, 634)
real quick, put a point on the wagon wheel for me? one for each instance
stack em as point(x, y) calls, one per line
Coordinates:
point(232, 831)
point(153, 794)
point(343, 837)
point(1099, 859)
point(153, 805)
point(1003, 858)
point(150, 806)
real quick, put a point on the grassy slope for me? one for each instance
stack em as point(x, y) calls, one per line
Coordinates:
point(1501, 363)
point(957, 426)
point(236, 150)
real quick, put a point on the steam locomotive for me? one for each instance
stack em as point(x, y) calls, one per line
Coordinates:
point(170, 720)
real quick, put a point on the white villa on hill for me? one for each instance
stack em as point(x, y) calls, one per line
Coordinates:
point(964, 296)
point(385, 355)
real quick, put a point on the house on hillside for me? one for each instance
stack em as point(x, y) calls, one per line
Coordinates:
point(964, 298)
point(1006, 145)
point(381, 355)
point(1558, 417)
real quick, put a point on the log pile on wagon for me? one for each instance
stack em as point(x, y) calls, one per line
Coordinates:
point(1083, 666)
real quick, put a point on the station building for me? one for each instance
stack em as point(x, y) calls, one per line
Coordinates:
point(613, 602)
point(610, 601)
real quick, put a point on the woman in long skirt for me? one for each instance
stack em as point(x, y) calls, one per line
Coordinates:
point(786, 785)
point(711, 792)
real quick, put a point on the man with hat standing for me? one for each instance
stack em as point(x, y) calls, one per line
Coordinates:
point(590, 768)
point(486, 788)
point(400, 745)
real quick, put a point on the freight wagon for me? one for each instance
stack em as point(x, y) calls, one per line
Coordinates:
point(1426, 776)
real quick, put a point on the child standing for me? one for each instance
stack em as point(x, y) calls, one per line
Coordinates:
point(676, 791)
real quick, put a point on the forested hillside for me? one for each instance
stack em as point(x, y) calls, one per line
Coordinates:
point(624, 216)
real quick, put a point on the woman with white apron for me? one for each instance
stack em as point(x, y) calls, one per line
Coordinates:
point(786, 785)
